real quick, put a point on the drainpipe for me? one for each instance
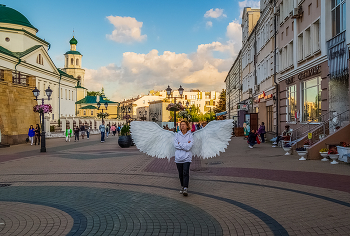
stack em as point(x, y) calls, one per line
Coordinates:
point(274, 66)
point(19, 61)
point(59, 101)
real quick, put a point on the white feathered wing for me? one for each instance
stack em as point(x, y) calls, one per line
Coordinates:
point(212, 139)
point(151, 139)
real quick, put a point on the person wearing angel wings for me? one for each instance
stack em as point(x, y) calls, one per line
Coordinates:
point(208, 142)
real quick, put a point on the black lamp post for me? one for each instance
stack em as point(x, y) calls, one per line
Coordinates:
point(98, 108)
point(143, 118)
point(36, 93)
point(168, 93)
point(126, 109)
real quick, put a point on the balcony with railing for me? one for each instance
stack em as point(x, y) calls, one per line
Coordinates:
point(18, 78)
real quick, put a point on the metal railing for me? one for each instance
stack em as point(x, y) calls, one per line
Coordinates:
point(304, 129)
point(330, 126)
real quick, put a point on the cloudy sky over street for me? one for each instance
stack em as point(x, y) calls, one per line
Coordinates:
point(131, 47)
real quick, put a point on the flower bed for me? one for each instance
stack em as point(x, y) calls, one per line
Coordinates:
point(175, 107)
point(46, 108)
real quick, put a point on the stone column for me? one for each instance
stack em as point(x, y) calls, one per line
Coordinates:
point(70, 123)
point(47, 125)
point(8, 76)
point(63, 124)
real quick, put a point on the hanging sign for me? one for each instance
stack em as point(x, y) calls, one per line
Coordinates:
point(309, 135)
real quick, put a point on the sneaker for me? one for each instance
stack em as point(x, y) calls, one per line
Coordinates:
point(182, 190)
point(250, 146)
point(274, 143)
point(185, 192)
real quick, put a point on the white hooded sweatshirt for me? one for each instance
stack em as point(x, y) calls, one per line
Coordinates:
point(183, 144)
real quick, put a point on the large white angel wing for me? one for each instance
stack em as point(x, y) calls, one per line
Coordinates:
point(151, 139)
point(212, 139)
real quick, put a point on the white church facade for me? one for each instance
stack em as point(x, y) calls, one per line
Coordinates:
point(25, 55)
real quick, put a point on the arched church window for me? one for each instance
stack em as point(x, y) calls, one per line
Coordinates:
point(77, 62)
point(40, 60)
point(66, 61)
point(72, 61)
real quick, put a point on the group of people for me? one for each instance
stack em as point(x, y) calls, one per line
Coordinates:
point(34, 134)
point(107, 129)
point(255, 136)
point(78, 131)
point(194, 127)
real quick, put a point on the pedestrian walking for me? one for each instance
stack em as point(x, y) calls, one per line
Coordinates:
point(31, 134)
point(262, 132)
point(69, 133)
point(102, 129)
point(113, 130)
point(88, 132)
point(82, 131)
point(183, 157)
point(76, 134)
point(107, 130)
point(37, 134)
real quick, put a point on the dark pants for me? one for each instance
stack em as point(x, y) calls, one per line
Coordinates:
point(37, 137)
point(102, 136)
point(262, 138)
point(279, 138)
point(114, 132)
point(88, 134)
point(76, 136)
point(252, 143)
point(184, 173)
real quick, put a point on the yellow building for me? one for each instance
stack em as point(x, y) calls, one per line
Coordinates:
point(87, 107)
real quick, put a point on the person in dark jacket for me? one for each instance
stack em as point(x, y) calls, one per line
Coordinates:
point(37, 134)
point(252, 138)
point(76, 133)
point(31, 134)
point(262, 132)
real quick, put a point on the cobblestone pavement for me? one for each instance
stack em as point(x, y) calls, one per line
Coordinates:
point(93, 188)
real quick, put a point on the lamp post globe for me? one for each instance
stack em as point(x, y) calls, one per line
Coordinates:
point(48, 92)
point(36, 92)
point(106, 105)
point(181, 90)
point(98, 105)
point(168, 91)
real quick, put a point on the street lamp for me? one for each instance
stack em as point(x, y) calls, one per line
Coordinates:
point(98, 108)
point(168, 93)
point(126, 109)
point(143, 115)
point(36, 93)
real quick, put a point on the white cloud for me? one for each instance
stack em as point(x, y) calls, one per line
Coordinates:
point(209, 24)
point(214, 13)
point(248, 3)
point(127, 29)
point(234, 33)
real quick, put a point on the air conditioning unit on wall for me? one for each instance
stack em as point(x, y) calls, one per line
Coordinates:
point(257, 87)
point(297, 12)
point(250, 90)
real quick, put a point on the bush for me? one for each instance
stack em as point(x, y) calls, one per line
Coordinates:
point(52, 128)
point(125, 130)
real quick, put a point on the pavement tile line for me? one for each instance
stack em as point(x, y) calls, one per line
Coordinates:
point(93, 215)
point(333, 200)
point(275, 227)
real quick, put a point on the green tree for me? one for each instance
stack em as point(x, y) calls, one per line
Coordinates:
point(93, 93)
point(221, 106)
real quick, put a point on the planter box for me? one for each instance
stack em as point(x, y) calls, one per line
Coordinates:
point(342, 153)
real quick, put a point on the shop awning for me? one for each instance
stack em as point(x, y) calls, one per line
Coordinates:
point(221, 113)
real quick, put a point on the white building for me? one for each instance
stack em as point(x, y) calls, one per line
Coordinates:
point(26, 55)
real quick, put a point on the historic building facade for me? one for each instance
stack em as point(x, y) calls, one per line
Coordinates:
point(25, 63)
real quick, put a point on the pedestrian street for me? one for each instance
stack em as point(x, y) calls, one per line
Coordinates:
point(94, 188)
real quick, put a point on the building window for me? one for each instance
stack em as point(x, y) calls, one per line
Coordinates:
point(307, 43)
point(338, 16)
point(77, 62)
point(53, 116)
point(309, 9)
point(290, 54)
point(67, 62)
point(66, 93)
point(73, 95)
point(311, 97)
point(316, 36)
point(92, 112)
point(61, 94)
point(84, 113)
point(69, 94)
point(300, 47)
point(292, 103)
point(72, 61)
point(40, 60)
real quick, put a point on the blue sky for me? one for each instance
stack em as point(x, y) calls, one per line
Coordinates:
point(175, 26)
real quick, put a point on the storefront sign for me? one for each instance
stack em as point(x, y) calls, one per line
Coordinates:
point(290, 80)
point(263, 96)
point(242, 107)
point(309, 135)
point(309, 72)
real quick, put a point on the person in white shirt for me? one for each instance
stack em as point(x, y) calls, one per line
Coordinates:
point(183, 143)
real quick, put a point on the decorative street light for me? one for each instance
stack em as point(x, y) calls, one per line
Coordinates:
point(36, 93)
point(98, 108)
point(143, 115)
point(168, 93)
point(126, 109)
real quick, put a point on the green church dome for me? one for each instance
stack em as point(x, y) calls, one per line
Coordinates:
point(9, 15)
point(73, 41)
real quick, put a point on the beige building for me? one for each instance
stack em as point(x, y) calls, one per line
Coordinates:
point(158, 112)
